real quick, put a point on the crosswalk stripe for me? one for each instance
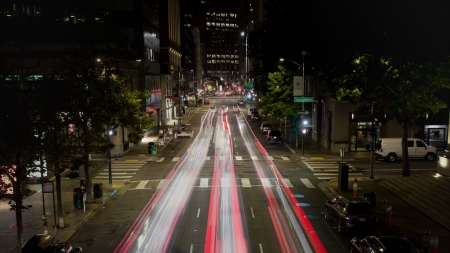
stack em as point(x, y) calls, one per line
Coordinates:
point(175, 159)
point(115, 173)
point(285, 158)
point(269, 157)
point(115, 169)
point(208, 158)
point(203, 182)
point(160, 159)
point(246, 183)
point(161, 183)
point(239, 158)
point(254, 157)
point(114, 178)
point(307, 183)
point(142, 184)
point(288, 182)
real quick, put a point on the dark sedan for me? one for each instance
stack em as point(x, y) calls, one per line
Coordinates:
point(274, 136)
point(351, 214)
point(372, 244)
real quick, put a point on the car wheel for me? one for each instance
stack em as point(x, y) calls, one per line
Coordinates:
point(340, 229)
point(391, 157)
point(430, 157)
point(326, 215)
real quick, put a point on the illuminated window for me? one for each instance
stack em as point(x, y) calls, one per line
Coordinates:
point(208, 24)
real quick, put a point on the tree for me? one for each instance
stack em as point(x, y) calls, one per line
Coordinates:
point(18, 144)
point(401, 89)
point(98, 97)
point(278, 100)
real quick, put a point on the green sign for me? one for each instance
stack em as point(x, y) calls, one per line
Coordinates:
point(303, 99)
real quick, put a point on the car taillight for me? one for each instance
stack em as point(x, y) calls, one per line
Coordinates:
point(346, 217)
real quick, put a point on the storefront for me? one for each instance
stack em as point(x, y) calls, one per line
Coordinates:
point(362, 136)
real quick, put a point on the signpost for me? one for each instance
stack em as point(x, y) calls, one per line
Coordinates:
point(303, 99)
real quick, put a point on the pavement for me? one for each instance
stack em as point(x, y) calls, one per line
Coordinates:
point(406, 220)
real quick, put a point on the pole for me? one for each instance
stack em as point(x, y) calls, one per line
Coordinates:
point(285, 128)
point(303, 104)
point(109, 167)
point(372, 145)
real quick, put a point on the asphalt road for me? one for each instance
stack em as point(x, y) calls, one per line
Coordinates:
point(107, 229)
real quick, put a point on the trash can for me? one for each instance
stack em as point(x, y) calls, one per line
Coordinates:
point(98, 191)
point(371, 197)
point(78, 198)
point(343, 177)
point(150, 144)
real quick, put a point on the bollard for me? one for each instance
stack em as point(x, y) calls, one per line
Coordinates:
point(355, 187)
point(387, 210)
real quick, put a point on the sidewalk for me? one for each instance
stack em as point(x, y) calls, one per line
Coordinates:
point(417, 201)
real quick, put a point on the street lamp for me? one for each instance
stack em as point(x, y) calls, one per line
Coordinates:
point(303, 103)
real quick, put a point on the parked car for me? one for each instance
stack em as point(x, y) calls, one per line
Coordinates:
point(274, 136)
point(265, 127)
point(255, 117)
point(351, 214)
point(47, 243)
point(250, 111)
point(390, 149)
point(371, 244)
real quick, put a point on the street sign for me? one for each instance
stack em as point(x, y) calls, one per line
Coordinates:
point(303, 99)
point(303, 112)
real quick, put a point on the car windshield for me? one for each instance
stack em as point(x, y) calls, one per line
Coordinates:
point(361, 208)
point(275, 132)
point(398, 245)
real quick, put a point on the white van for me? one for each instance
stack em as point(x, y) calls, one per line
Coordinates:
point(390, 149)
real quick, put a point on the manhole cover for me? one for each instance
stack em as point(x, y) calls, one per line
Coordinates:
point(24, 225)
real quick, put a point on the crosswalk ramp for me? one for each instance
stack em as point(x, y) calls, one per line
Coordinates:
point(121, 170)
point(326, 170)
point(236, 158)
point(240, 182)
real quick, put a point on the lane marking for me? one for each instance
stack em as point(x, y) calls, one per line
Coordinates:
point(285, 158)
point(251, 209)
point(288, 182)
point(239, 158)
point(198, 213)
point(175, 159)
point(307, 183)
point(204, 183)
point(160, 159)
point(246, 183)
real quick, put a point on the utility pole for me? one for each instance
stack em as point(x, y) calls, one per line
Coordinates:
point(372, 130)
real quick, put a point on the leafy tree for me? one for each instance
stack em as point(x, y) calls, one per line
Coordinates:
point(278, 100)
point(18, 143)
point(98, 97)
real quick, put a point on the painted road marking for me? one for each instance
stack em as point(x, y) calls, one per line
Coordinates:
point(203, 182)
point(307, 183)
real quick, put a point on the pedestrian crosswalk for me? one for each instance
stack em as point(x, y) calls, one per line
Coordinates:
point(237, 158)
point(241, 182)
point(123, 170)
point(326, 170)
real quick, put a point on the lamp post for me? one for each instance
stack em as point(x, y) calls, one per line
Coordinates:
point(303, 103)
point(193, 89)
